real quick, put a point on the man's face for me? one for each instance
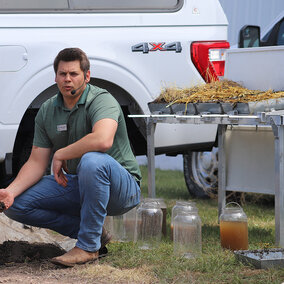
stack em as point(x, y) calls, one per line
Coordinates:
point(70, 77)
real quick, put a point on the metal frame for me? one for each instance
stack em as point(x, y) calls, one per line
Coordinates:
point(274, 119)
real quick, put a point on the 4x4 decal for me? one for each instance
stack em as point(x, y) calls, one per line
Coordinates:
point(161, 46)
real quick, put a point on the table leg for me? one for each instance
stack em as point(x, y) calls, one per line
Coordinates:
point(279, 186)
point(221, 169)
point(150, 131)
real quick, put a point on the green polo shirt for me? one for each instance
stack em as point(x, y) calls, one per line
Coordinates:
point(57, 127)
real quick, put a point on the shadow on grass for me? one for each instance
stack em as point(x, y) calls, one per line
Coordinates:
point(263, 235)
point(210, 232)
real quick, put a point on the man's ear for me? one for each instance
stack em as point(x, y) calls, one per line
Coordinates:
point(88, 76)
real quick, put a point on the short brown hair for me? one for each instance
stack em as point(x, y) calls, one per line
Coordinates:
point(72, 54)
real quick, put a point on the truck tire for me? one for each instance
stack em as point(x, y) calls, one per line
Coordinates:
point(201, 173)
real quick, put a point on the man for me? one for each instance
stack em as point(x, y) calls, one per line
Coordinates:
point(95, 171)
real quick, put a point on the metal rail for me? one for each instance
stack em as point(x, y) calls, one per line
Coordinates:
point(275, 119)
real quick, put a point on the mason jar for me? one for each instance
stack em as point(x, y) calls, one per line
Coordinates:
point(234, 227)
point(118, 229)
point(129, 223)
point(149, 218)
point(187, 233)
point(163, 207)
point(108, 224)
point(180, 204)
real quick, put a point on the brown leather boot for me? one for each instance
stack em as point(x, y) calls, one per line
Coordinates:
point(75, 256)
point(105, 237)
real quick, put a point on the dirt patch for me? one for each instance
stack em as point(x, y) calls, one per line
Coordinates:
point(28, 263)
point(23, 252)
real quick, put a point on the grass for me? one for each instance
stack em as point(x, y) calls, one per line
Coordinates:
point(215, 265)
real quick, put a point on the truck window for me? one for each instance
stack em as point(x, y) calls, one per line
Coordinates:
point(280, 37)
point(87, 6)
point(123, 4)
point(33, 4)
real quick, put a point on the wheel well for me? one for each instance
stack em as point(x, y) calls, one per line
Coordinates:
point(24, 138)
point(25, 132)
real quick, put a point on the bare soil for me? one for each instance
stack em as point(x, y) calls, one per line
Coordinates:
point(28, 263)
point(25, 254)
point(23, 262)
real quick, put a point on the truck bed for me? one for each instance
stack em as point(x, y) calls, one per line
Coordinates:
point(258, 68)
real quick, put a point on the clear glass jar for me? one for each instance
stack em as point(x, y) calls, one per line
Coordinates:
point(180, 204)
point(129, 222)
point(187, 232)
point(118, 229)
point(108, 224)
point(163, 207)
point(149, 218)
point(234, 227)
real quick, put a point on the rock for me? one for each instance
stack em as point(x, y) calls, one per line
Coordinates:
point(14, 231)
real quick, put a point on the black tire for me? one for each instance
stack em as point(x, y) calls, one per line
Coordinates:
point(22, 153)
point(201, 173)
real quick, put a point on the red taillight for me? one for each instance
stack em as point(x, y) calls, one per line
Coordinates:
point(209, 58)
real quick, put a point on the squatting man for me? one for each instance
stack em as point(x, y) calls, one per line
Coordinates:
point(95, 173)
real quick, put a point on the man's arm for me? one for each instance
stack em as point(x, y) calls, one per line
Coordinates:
point(31, 172)
point(100, 140)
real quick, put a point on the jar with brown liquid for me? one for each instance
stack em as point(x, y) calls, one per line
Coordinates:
point(234, 227)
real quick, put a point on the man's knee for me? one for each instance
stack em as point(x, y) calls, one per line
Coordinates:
point(92, 162)
point(13, 213)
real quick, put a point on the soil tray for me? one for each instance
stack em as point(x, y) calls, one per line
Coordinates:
point(217, 108)
point(264, 258)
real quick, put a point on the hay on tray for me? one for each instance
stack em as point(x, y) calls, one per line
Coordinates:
point(218, 91)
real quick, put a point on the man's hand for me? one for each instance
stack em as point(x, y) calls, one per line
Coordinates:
point(58, 167)
point(6, 199)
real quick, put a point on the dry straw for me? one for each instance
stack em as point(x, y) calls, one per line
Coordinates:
point(218, 91)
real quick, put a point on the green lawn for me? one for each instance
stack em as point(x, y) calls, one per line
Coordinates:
point(215, 265)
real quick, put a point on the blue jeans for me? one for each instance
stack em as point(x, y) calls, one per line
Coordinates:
point(101, 187)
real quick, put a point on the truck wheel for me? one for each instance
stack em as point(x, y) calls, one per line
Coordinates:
point(201, 173)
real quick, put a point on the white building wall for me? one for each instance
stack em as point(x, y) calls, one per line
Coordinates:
point(250, 12)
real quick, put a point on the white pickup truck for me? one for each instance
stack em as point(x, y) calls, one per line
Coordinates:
point(135, 49)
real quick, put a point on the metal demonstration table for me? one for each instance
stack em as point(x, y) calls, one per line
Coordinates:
point(274, 119)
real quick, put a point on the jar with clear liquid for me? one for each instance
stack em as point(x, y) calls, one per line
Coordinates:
point(187, 233)
point(129, 222)
point(180, 204)
point(108, 224)
point(149, 218)
point(163, 207)
point(118, 229)
point(234, 228)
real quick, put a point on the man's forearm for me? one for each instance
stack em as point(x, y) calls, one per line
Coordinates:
point(75, 150)
point(29, 174)
point(89, 143)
